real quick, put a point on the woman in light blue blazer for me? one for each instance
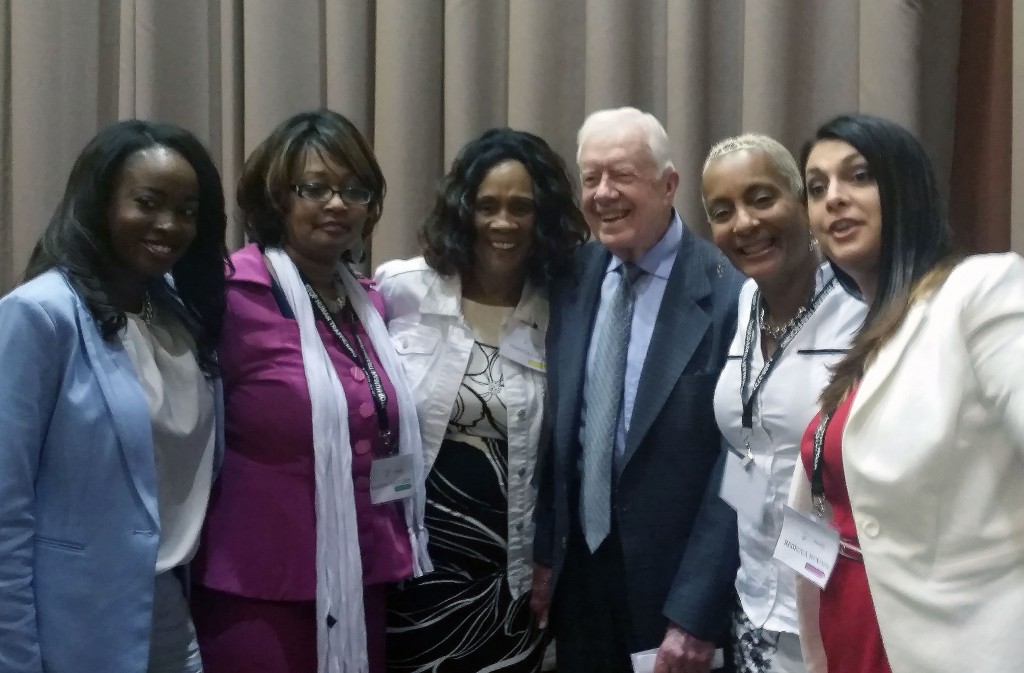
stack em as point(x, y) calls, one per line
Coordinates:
point(109, 413)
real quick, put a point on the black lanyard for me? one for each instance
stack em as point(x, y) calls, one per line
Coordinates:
point(362, 360)
point(748, 351)
point(818, 465)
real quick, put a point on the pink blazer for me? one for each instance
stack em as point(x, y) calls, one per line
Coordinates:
point(259, 540)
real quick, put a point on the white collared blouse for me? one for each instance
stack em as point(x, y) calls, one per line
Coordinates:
point(783, 406)
point(434, 343)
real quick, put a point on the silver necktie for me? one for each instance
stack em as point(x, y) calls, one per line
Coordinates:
point(602, 396)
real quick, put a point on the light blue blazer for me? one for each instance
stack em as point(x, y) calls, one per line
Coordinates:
point(79, 527)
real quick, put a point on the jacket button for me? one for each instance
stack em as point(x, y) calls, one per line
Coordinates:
point(522, 472)
point(405, 343)
point(870, 526)
point(521, 413)
point(565, 542)
point(519, 526)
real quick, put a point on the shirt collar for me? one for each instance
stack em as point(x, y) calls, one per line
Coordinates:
point(443, 296)
point(249, 266)
point(658, 260)
point(823, 276)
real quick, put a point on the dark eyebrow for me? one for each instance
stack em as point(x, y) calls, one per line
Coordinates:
point(327, 176)
point(761, 185)
point(156, 191)
point(850, 158)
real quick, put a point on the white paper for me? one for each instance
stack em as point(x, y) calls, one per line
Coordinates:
point(391, 479)
point(808, 545)
point(643, 662)
point(744, 488)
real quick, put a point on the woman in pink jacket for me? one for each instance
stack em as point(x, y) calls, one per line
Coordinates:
point(298, 551)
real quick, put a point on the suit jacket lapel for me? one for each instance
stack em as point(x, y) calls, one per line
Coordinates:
point(879, 371)
point(578, 312)
point(126, 407)
point(679, 329)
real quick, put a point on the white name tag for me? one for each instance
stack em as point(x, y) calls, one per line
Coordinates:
point(391, 479)
point(518, 347)
point(745, 488)
point(808, 545)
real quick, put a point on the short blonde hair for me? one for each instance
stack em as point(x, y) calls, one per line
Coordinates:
point(784, 162)
point(617, 122)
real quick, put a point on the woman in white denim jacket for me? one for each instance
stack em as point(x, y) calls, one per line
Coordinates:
point(469, 320)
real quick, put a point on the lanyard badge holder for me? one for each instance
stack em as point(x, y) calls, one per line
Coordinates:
point(745, 486)
point(391, 476)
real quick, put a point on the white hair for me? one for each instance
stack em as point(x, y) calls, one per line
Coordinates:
point(619, 122)
point(783, 160)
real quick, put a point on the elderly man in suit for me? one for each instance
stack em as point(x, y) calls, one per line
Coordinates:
point(634, 548)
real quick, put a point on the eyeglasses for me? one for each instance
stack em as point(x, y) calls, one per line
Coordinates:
point(321, 193)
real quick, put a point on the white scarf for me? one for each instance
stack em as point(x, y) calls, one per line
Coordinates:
point(339, 571)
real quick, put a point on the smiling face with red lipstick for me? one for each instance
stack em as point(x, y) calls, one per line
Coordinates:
point(845, 210)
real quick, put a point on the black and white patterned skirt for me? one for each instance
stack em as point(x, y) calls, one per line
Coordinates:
point(762, 651)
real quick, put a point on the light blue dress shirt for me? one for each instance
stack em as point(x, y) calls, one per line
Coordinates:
point(650, 288)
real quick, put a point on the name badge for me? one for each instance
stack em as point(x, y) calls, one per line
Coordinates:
point(807, 545)
point(391, 479)
point(745, 488)
point(517, 345)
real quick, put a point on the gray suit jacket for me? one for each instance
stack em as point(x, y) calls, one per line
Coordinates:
point(662, 502)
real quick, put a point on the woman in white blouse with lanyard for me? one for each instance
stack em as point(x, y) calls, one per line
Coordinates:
point(794, 322)
point(469, 320)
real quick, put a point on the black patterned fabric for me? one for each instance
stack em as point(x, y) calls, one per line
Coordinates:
point(462, 616)
point(762, 651)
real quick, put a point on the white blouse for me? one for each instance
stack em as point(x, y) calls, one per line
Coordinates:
point(181, 405)
point(783, 406)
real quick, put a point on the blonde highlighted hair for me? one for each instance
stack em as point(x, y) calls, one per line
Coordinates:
point(783, 160)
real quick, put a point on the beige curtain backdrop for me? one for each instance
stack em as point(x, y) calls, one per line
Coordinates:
point(421, 77)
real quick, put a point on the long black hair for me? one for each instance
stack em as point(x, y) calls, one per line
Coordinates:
point(915, 237)
point(77, 240)
point(448, 235)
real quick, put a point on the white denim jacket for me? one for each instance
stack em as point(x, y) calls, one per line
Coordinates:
point(424, 316)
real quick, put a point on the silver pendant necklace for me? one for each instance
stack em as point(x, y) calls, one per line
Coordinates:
point(778, 332)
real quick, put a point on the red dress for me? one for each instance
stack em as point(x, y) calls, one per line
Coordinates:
point(847, 620)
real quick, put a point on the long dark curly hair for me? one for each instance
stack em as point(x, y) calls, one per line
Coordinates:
point(448, 235)
point(77, 239)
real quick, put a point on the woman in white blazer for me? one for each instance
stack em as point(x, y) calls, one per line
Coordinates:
point(469, 320)
point(109, 410)
point(920, 443)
